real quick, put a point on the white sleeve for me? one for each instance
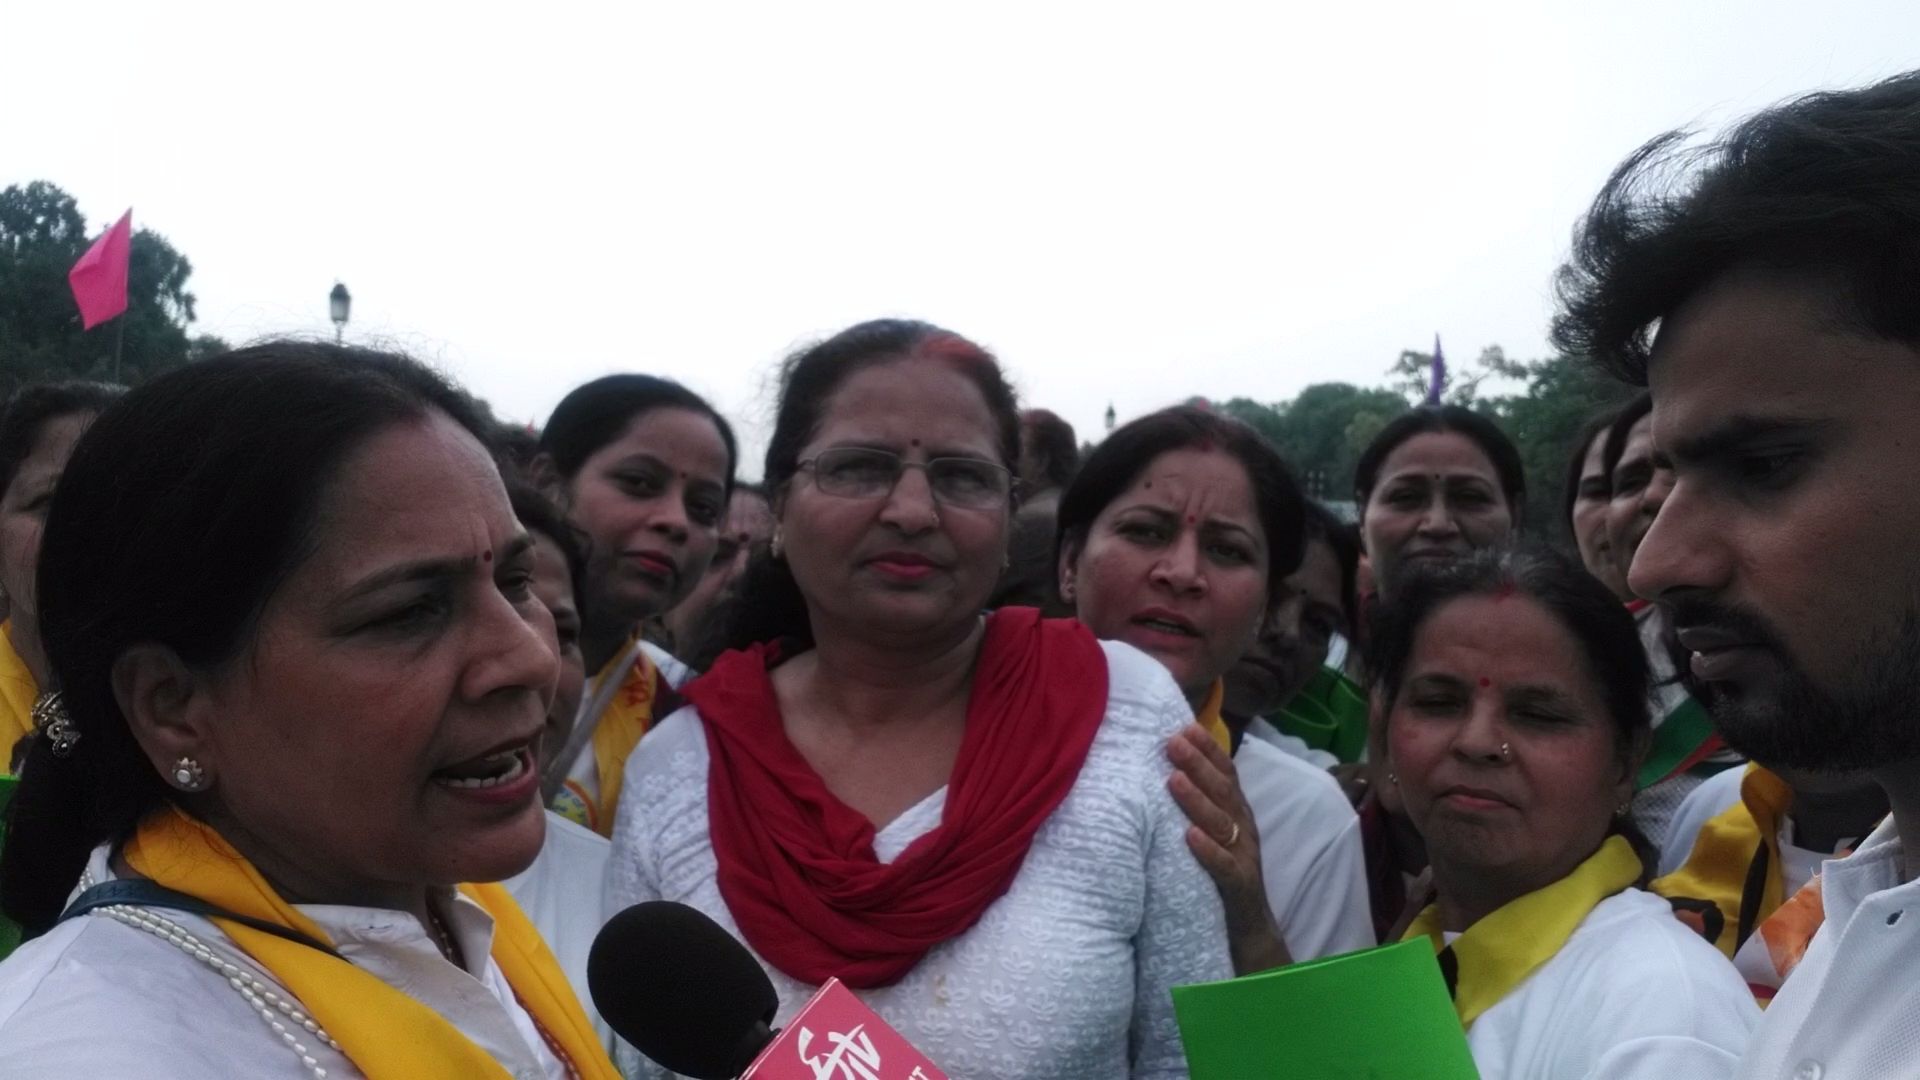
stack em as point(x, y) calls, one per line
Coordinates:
point(1183, 929)
point(1310, 853)
point(631, 878)
point(1334, 914)
point(631, 875)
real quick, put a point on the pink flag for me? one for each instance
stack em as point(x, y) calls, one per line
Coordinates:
point(99, 279)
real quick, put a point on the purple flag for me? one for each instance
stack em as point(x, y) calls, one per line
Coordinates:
point(1439, 381)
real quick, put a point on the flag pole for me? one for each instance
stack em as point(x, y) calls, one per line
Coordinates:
point(119, 340)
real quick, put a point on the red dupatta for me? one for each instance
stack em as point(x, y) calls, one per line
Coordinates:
point(797, 866)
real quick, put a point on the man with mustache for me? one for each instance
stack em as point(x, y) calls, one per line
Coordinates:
point(1766, 290)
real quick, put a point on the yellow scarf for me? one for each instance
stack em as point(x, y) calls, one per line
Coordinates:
point(1209, 716)
point(17, 694)
point(386, 1034)
point(616, 731)
point(1721, 893)
point(1497, 953)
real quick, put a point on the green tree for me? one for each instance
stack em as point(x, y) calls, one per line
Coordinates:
point(1561, 394)
point(1324, 429)
point(42, 233)
point(1412, 375)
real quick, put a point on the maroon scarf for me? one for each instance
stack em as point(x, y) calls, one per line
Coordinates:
point(797, 866)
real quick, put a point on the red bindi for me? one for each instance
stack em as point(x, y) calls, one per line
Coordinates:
point(1190, 519)
point(486, 556)
point(1485, 682)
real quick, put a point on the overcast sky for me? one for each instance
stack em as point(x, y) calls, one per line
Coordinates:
point(1128, 203)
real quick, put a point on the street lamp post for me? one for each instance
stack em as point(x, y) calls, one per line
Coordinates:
point(339, 305)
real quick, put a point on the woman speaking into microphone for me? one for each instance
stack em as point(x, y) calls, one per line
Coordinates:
point(303, 673)
point(962, 816)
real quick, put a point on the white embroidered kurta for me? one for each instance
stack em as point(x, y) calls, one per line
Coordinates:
point(1852, 1006)
point(94, 997)
point(1632, 995)
point(1067, 975)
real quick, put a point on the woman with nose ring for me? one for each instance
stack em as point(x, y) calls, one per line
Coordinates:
point(1514, 696)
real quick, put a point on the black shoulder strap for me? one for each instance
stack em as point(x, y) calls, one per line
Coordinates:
point(1753, 893)
point(139, 892)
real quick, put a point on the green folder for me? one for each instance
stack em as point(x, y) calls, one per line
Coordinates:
point(1377, 1014)
point(1330, 714)
point(9, 933)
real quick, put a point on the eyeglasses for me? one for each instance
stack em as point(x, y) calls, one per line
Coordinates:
point(858, 473)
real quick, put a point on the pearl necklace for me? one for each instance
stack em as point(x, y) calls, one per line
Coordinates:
point(259, 996)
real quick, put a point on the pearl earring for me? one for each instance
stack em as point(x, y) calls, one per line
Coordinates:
point(188, 775)
point(774, 546)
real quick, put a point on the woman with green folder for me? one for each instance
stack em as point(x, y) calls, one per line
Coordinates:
point(1514, 691)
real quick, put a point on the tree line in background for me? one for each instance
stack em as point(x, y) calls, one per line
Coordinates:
point(1324, 429)
point(1321, 431)
point(42, 233)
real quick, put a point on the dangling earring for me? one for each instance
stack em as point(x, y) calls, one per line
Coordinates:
point(774, 546)
point(1394, 779)
point(50, 719)
point(188, 775)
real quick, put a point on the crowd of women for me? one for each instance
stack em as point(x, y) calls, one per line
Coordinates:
point(344, 718)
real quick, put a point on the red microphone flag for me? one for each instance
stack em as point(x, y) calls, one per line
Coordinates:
point(836, 1037)
point(99, 279)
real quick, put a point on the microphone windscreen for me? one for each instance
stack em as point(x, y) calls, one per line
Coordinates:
point(682, 990)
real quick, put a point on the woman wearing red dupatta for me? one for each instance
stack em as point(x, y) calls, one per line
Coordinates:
point(963, 817)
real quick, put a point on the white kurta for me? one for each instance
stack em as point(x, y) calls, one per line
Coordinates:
point(1632, 995)
point(1310, 853)
point(564, 895)
point(1851, 1009)
point(1262, 729)
point(94, 997)
point(1068, 974)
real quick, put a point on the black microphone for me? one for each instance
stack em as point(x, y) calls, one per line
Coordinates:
point(670, 981)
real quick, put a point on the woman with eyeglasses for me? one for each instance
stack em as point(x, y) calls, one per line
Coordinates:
point(643, 467)
point(963, 816)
